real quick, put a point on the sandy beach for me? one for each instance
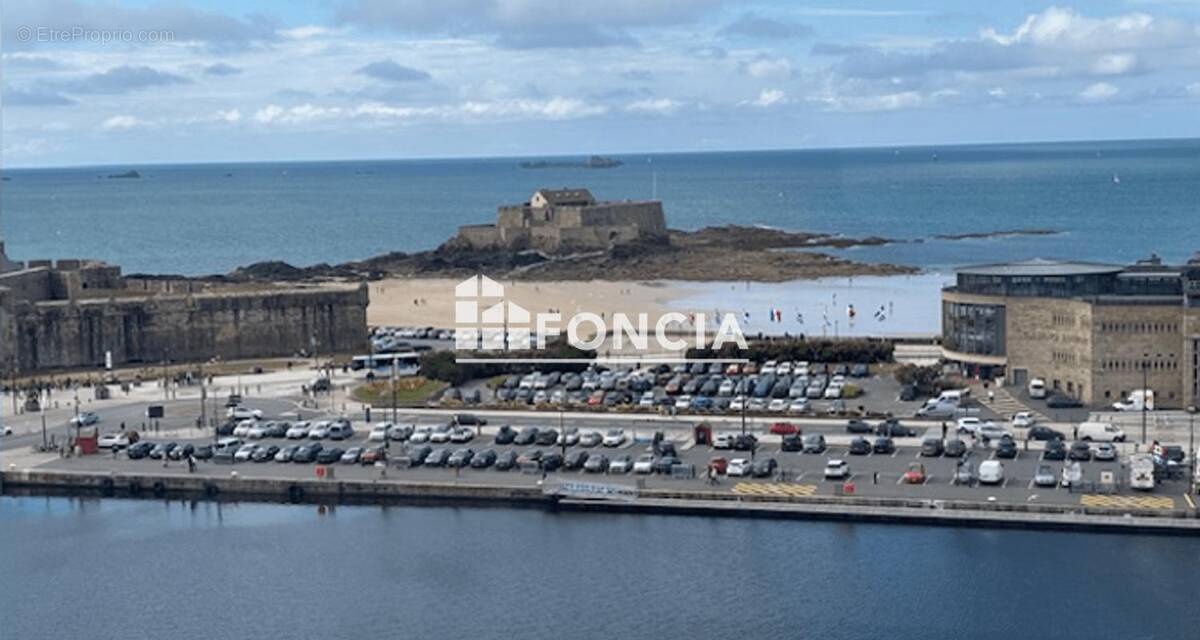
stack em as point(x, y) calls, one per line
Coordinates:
point(895, 306)
point(430, 301)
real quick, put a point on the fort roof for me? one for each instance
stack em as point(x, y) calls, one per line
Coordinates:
point(556, 197)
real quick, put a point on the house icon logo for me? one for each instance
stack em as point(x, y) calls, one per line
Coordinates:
point(484, 320)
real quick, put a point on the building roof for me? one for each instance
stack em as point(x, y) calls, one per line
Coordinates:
point(566, 196)
point(1041, 267)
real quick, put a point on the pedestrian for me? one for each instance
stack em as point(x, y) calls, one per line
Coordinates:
point(875, 477)
point(191, 463)
point(991, 396)
point(166, 459)
point(943, 430)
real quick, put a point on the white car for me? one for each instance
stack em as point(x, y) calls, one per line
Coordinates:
point(84, 419)
point(738, 404)
point(784, 369)
point(991, 472)
point(113, 441)
point(726, 388)
point(319, 431)
point(379, 432)
point(799, 405)
point(614, 438)
point(244, 413)
point(837, 469)
point(738, 468)
point(778, 405)
point(462, 435)
point(723, 441)
point(644, 464)
point(258, 430)
point(298, 431)
point(991, 431)
point(833, 392)
point(440, 435)
point(769, 367)
point(243, 454)
point(1023, 420)
point(243, 428)
point(969, 424)
point(647, 399)
point(421, 435)
point(683, 402)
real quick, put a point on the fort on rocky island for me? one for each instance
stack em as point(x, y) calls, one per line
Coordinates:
point(568, 220)
point(78, 313)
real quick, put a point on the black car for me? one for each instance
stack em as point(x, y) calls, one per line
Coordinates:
point(596, 463)
point(575, 460)
point(1080, 450)
point(955, 448)
point(506, 435)
point(547, 437)
point(1059, 401)
point(506, 460)
point(203, 452)
point(908, 393)
point(859, 446)
point(418, 455)
point(1042, 432)
point(307, 453)
point(764, 467)
point(226, 428)
point(884, 444)
point(552, 462)
point(469, 420)
point(857, 426)
point(181, 452)
point(744, 442)
point(791, 442)
point(892, 428)
point(437, 458)
point(664, 464)
point(483, 459)
point(264, 453)
point(330, 455)
point(139, 450)
point(1055, 450)
point(932, 447)
point(1006, 448)
point(162, 449)
point(525, 436)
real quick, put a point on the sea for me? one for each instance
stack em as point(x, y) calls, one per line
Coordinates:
point(1109, 201)
point(91, 568)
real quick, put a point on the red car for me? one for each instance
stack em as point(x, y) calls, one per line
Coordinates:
point(915, 474)
point(784, 429)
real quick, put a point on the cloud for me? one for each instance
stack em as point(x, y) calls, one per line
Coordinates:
point(556, 108)
point(660, 106)
point(834, 49)
point(390, 71)
point(522, 24)
point(753, 26)
point(122, 79)
point(121, 123)
point(878, 102)
point(18, 97)
point(768, 98)
point(1099, 92)
point(31, 62)
point(230, 115)
point(767, 67)
point(222, 69)
point(185, 24)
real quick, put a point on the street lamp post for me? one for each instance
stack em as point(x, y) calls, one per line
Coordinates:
point(1145, 391)
point(1192, 446)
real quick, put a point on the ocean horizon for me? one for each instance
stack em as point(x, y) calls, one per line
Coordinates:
point(207, 218)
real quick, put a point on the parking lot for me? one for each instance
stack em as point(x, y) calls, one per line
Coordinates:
point(797, 474)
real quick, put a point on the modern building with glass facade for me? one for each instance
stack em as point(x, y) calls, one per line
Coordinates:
point(1091, 331)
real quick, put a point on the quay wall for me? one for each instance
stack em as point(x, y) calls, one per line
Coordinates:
point(649, 501)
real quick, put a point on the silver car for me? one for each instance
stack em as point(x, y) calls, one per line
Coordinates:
point(1045, 476)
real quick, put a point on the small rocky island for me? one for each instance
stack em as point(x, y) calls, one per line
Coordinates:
point(594, 162)
point(123, 175)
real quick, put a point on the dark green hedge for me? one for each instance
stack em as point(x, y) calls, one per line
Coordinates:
point(851, 350)
point(441, 365)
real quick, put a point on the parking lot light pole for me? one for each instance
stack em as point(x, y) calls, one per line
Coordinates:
point(1192, 446)
point(1145, 391)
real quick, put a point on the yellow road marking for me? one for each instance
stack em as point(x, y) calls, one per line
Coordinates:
point(782, 490)
point(1128, 502)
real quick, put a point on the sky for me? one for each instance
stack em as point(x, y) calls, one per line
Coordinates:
point(119, 82)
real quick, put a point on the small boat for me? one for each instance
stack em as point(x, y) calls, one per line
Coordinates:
point(1116, 179)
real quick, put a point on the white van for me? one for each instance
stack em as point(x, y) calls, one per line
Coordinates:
point(1101, 432)
point(1141, 471)
point(1037, 388)
point(951, 395)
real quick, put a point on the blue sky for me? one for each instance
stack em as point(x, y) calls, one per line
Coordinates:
point(341, 79)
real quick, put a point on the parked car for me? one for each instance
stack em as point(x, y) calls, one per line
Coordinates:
point(379, 432)
point(738, 468)
point(437, 458)
point(764, 468)
point(857, 426)
point(590, 439)
point(813, 443)
point(575, 460)
point(892, 427)
point(1045, 476)
point(614, 438)
point(331, 455)
point(483, 459)
point(183, 451)
point(116, 441)
point(991, 472)
point(139, 450)
point(596, 463)
point(506, 460)
point(1023, 420)
point(298, 431)
point(621, 464)
point(1059, 401)
point(791, 442)
point(837, 469)
point(161, 450)
point(1080, 450)
point(932, 447)
point(1043, 433)
point(644, 463)
point(915, 474)
point(955, 448)
point(860, 446)
point(1105, 451)
point(547, 437)
point(883, 445)
point(1006, 448)
point(460, 458)
point(307, 453)
point(1055, 450)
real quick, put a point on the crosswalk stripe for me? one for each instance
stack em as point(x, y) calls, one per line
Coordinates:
point(1127, 502)
point(784, 490)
